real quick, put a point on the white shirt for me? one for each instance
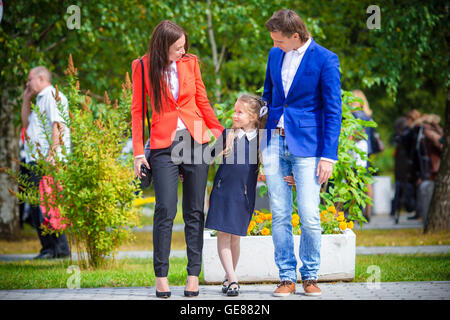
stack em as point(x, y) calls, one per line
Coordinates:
point(174, 86)
point(291, 62)
point(46, 103)
point(250, 134)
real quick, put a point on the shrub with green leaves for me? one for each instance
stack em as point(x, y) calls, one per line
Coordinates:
point(94, 185)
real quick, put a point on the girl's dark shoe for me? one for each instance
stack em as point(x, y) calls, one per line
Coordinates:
point(224, 286)
point(233, 292)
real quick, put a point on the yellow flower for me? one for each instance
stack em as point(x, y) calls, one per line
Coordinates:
point(343, 225)
point(341, 213)
point(252, 225)
point(332, 209)
point(268, 216)
point(259, 220)
point(350, 225)
point(296, 217)
point(294, 222)
point(265, 231)
point(299, 231)
point(323, 213)
point(340, 218)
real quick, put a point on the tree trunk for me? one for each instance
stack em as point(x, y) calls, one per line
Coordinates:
point(438, 217)
point(9, 150)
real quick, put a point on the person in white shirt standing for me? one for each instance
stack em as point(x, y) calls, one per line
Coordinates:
point(39, 85)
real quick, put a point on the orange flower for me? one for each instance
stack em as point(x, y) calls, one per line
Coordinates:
point(265, 231)
point(294, 222)
point(342, 225)
point(259, 220)
point(332, 209)
point(269, 216)
point(341, 213)
point(350, 225)
point(252, 225)
point(340, 218)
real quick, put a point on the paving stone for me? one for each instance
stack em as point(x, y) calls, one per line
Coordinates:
point(339, 291)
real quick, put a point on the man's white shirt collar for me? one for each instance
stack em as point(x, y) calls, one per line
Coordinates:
point(44, 91)
point(250, 134)
point(303, 48)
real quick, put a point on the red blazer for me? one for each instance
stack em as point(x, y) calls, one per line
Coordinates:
point(192, 107)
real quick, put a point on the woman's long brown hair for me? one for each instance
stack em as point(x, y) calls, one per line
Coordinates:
point(164, 35)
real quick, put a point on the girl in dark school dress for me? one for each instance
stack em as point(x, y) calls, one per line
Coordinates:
point(232, 198)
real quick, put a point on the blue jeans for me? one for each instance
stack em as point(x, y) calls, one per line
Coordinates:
point(278, 163)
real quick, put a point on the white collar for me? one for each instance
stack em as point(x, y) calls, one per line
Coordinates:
point(304, 47)
point(44, 91)
point(173, 66)
point(250, 134)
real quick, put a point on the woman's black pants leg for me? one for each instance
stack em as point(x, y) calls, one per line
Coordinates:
point(166, 169)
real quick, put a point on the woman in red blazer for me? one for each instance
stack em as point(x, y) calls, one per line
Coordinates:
point(181, 115)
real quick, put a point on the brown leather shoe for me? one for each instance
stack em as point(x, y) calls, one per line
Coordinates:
point(284, 289)
point(311, 288)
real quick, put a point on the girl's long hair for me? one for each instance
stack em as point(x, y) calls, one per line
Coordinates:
point(253, 105)
point(164, 35)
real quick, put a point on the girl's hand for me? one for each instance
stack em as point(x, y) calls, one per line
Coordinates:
point(290, 180)
point(137, 166)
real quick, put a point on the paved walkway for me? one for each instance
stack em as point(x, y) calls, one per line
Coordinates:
point(385, 221)
point(435, 290)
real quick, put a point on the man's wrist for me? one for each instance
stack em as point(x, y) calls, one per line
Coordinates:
point(328, 160)
point(139, 156)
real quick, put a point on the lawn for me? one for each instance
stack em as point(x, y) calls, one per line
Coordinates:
point(139, 272)
point(144, 240)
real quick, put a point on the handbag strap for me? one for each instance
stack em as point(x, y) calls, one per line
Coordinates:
point(143, 106)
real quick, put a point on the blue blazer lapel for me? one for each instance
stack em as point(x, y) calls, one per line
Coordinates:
point(302, 65)
point(278, 80)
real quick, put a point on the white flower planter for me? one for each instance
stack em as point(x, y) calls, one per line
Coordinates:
point(257, 263)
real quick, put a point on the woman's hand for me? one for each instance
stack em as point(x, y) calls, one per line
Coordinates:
point(137, 166)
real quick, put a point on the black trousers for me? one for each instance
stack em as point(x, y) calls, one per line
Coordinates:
point(52, 244)
point(183, 156)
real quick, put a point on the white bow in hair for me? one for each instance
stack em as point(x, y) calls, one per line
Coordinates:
point(264, 109)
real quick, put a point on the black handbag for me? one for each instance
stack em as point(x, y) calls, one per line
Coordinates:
point(147, 179)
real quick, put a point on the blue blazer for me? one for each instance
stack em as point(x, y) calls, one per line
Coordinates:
point(312, 109)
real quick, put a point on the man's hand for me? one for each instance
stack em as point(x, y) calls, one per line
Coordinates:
point(28, 94)
point(324, 170)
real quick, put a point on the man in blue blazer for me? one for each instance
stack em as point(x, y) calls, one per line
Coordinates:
point(303, 92)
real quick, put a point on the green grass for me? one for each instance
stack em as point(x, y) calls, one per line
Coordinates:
point(393, 268)
point(53, 274)
point(139, 272)
point(29, 242)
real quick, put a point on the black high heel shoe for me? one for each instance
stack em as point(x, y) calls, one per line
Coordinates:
point(233, 292)
point(163, 294)
point(190, 293)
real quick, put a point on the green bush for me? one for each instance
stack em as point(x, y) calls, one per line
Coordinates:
point(94, 188)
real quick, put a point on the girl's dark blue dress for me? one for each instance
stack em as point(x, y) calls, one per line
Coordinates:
point(232, 198)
